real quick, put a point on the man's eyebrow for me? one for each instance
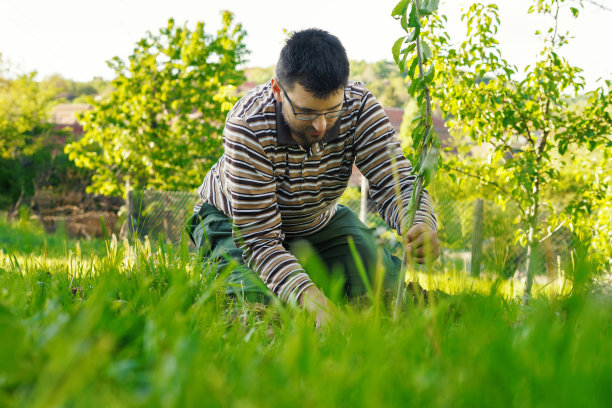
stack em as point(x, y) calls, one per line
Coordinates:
point(314, 110)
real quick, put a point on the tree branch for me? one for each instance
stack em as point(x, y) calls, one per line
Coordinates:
point(523, 120)
point(598, 4)
point(504, 143)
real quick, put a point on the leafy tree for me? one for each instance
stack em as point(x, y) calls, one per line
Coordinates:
point(75, 91)
point(24, 110)
point(522, 121)
point(384, 79)
point(161, 125)
point(259, 75)
point(29, 145)
point(586, 186)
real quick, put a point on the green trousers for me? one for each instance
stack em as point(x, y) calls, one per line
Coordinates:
point(326, 255)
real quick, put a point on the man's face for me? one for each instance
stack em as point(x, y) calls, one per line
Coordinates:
point(307, 132)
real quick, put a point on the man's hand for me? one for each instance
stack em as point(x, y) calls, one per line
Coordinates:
point(313, 300)
point(421, 243)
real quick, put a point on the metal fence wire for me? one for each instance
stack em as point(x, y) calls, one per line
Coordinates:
point(163, 214)
point(160, 214)
point(461, 222)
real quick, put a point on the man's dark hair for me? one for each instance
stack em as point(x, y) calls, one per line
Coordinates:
point(316, 60)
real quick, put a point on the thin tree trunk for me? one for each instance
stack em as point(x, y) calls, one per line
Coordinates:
point(532, 242)
point(477, 237)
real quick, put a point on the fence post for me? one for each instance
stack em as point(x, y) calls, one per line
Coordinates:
point(129, 209)
point(477, 237)
point(363, 213)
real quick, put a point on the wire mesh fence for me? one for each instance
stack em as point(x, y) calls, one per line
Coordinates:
point(475, 236)
point(163, 215)
point(160, 215)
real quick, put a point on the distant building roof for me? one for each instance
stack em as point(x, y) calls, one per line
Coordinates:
point(245, 87)
point(442, 131)
point(395, 117)
point(65, 113)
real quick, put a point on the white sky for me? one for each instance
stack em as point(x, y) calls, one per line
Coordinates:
point(75, 37)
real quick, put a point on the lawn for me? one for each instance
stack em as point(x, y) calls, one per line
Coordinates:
point(97, 323)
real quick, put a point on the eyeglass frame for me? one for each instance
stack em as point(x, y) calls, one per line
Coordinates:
point(313, 116)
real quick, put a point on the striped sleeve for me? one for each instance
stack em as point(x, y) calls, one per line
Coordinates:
point(251, 188)
point(381, 160)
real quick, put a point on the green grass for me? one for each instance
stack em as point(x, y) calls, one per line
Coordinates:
point(138, 327)
point(23, 237)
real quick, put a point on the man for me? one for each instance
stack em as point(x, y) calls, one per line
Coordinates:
point(290, 145)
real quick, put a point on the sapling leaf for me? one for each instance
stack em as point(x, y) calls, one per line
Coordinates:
point(406, 54)
point(413, 35)
point(413, 20)
point(404, 22)
point(400, 8)
point(430, 133)
point(417, 136)
point(414, 86)
point(428, 7)
point(411, 47)
point(396, 49)
point(429, 74)
point(427, 54)
point(413, 66)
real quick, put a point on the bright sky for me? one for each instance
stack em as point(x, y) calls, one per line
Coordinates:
point(75, 37)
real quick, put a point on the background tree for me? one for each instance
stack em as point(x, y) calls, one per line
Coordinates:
point(26, 145)
point(521, 121)
point(585, 185)
point(161, 125)
point(383, 78)
point(24, 111)
point(259, 75)
point(75, 91)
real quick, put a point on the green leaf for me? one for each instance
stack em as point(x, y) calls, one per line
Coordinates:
point(400, 8)
point(404, 22)
point(426, 51)
point(430, 74)
point(429, 165)
point(429, 7)
point(411, 47)
point(396, 49)
point(413, 20)
point(412, 35)
point(574, 11)
point(417, 136)
point(430, 133)
point(405, 57)
point(414, 85)
point(591, 145)
point(413, 66)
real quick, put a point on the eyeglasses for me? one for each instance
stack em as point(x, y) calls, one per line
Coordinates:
point(313, 116)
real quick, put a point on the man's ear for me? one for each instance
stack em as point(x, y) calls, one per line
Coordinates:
point(276, 90)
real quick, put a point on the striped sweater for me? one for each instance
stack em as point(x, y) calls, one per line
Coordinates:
point(272, 188)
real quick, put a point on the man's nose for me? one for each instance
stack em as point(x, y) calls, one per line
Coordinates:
point(320, 123)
